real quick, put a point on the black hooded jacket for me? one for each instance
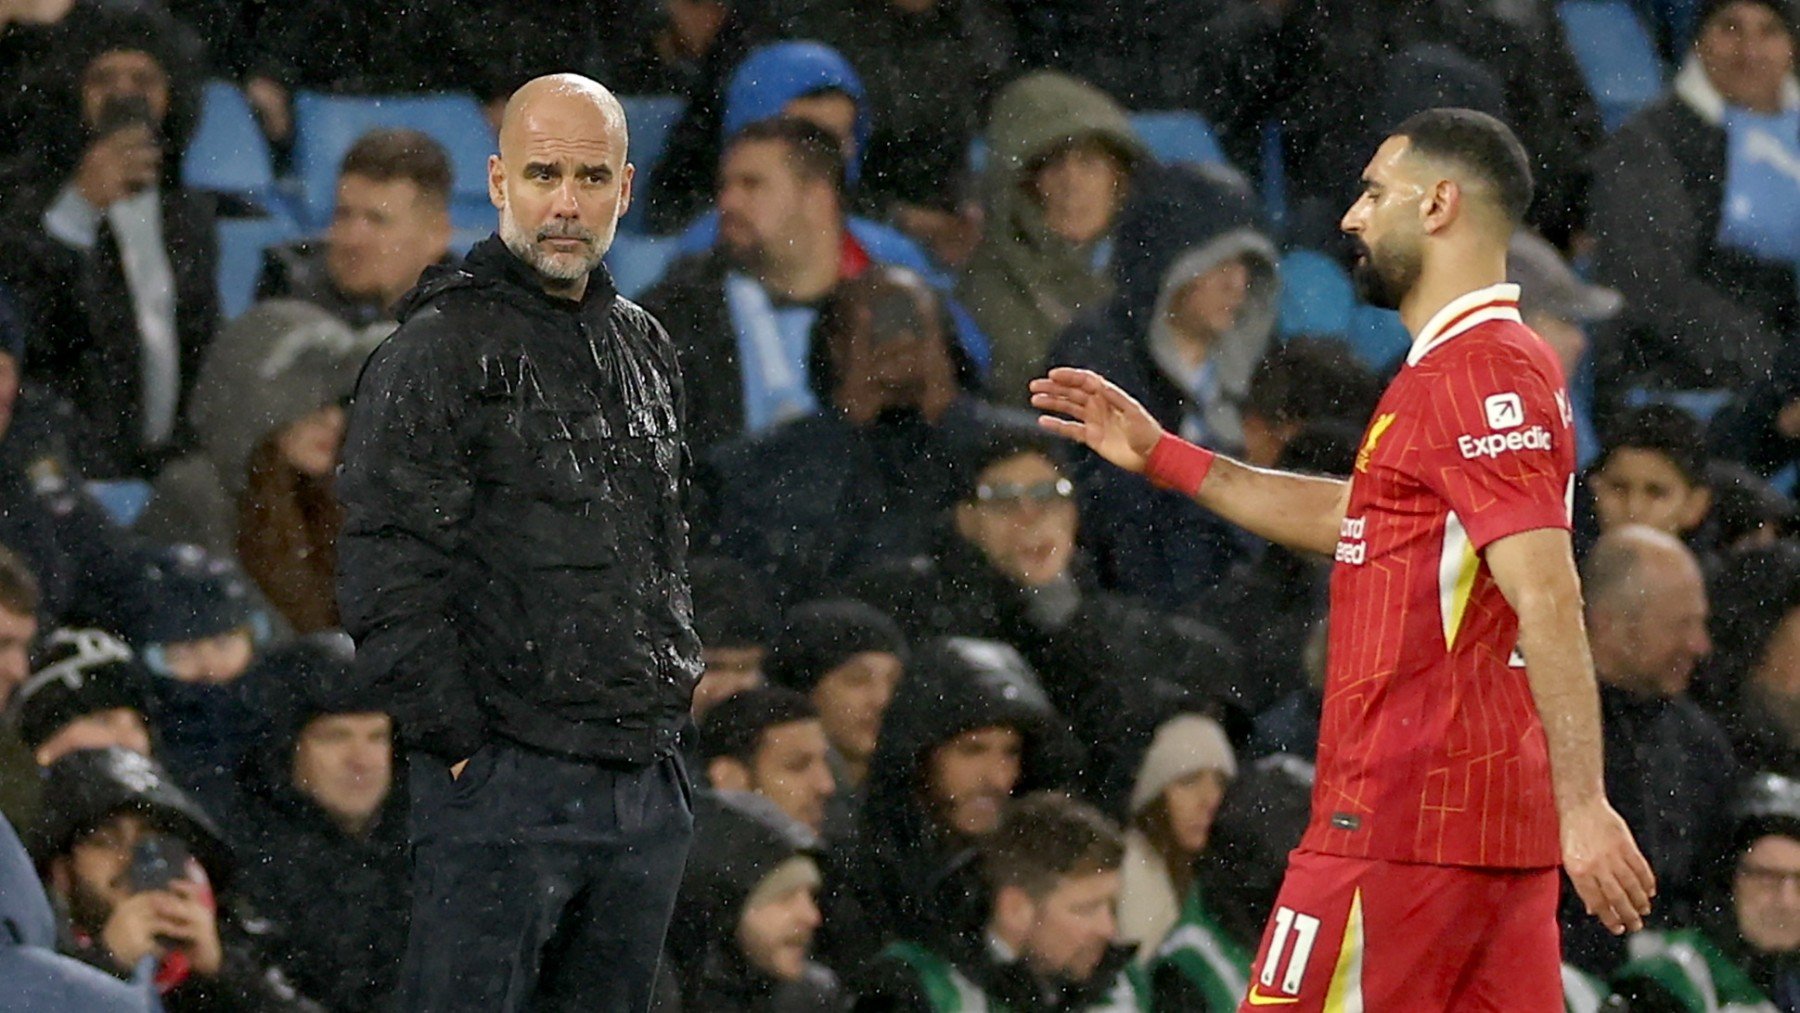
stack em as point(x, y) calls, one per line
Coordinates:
point(296, 863)
point(739, 839)
point(513, 558)
point(904, 867)
point(86, 788)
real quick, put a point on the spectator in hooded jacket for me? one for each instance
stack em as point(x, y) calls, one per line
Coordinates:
point(269, 415)
point(323, 841)
point(144, 876)
point(1696, 212)
point(969, 729)
point(1753, 686)
point(1192, 313)
point(1061, 155)
point(18, 632)
point(870, 473)
point(741, 937)
point(116, 259)
point(737, 621)
point(848, 658)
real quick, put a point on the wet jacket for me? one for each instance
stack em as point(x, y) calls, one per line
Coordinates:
point(1179, 223)
point(297, 863)
point(1024, 283)
point(36, 977)
point(513, 560)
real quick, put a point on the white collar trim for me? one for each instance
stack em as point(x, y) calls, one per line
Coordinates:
point(1484, 305)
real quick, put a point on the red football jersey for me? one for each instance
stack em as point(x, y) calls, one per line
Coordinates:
point(1430, 746)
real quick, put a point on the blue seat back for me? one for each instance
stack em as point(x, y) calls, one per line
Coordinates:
point(241, 245)
point(1179, 136)
point(228, 152)
point(1316, 296)
point(1615, 54)
point(650, 119)
point(325, 126)
point(638, 262)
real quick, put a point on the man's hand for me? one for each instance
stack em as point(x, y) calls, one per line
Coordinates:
point(118, 165)
point(130, 933)
point(1107, 420)
point(456, 769)
point(191, 923)
point(270, 100)
point(1604, 863)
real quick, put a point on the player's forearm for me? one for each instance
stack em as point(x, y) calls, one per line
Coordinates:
point(1561, 672)
point(1299, 511)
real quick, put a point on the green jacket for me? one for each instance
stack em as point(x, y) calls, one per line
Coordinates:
point(1689, 967)
point(1202, 959)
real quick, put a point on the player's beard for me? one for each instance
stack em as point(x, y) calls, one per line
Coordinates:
point(561, 269)
point(1384, 276)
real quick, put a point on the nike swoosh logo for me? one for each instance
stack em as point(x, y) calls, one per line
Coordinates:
point(1258, 999)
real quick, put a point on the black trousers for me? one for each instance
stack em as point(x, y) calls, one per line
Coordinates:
point(541, 883)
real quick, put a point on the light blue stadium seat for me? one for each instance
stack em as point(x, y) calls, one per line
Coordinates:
point(638, 262)
point(228, 152)
point(1615, 55)
point(241, 245)
point(650, 118)
point(1179, 136)
point(123, 499)
point(1377, 337)
point(325, 126)
point(1316, 296)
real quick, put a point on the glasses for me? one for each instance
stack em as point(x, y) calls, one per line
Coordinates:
point(1763, 877)
point(1013, 495)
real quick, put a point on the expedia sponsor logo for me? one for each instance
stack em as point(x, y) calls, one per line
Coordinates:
point(1350, 547)
point(1474, 448)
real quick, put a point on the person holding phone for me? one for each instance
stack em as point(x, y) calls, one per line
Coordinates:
point(113, 257)
point(135, 864)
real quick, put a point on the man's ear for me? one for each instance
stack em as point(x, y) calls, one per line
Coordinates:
point(1441, 204)
point(1014, 912)
point(496, 182)
point(728, 774)
point(1695, 506)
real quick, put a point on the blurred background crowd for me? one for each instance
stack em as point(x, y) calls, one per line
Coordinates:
point(983, 720)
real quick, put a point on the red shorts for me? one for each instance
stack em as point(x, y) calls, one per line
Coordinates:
point(1352, 934)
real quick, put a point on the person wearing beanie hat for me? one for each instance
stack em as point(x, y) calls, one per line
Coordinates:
point(141, 873)
point(848, 658)
point(736, 619)
point(769, 741)
point(321, 830)
point(88, 691)
point(1174, 798)
point(1696, 217)
point(198, 627)
point(740, 940)
point(1742, 953)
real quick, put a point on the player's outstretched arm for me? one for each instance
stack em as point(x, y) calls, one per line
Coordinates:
point(1300, 511)
point(1536, 572)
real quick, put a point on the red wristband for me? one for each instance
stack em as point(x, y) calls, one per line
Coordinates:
point(1178, 465)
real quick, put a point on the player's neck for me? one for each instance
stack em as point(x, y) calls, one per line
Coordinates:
point(1448, 277)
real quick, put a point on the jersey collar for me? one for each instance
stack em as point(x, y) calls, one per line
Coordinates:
point(1495, 302)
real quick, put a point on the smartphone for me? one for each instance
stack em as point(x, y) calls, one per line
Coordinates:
point(122, 111)
point(894, 316)
point(156, 861)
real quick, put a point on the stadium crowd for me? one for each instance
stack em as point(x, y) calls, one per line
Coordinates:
point(985, 723)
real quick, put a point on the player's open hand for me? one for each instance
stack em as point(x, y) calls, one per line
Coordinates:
point(1604, 863)
point(1107, 420)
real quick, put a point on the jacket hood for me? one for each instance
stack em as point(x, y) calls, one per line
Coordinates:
point(952, 685)
point(774, 75)
point(491, 265)
point(94, 29)
point(739, 838)
point(84, 789)
point(280, 361)
point(25, 915)
point(287, 688)
point(1031, 118)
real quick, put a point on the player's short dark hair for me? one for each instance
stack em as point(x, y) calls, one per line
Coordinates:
point(1044, 837)
point(390, 154)
point(811, 149)
point(735, 726)
point(1307, 380)
point(18, 586)
point(1480, 144)
point(1002, 442)
point(1658, 429)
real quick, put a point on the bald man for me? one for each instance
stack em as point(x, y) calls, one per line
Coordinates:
point(513, 568)
point(1669, 767)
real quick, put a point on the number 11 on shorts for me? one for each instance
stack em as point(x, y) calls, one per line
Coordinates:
point(1304, 930)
